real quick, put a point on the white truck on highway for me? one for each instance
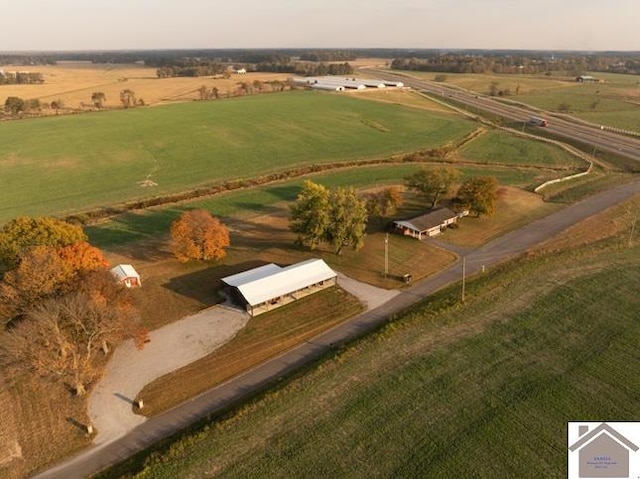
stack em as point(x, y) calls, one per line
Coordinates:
point(537, 121)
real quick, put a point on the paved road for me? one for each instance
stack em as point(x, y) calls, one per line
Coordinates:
point(599, 138)
point(221, 397)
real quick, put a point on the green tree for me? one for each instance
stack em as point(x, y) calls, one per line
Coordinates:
point(309, 214)
point(98, 98)
point(433, 183)
point(14, 105)
point(200, 236)
point(348, 220)
point(23, 233)
point(479, 194)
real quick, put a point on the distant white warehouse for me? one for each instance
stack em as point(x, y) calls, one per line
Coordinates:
point(270, 286)
point(335, 83)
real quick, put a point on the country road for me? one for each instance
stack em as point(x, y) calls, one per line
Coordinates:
point(598, 137)
point(220, 398)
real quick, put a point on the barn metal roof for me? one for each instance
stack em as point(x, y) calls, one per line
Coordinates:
point(271, 281)
point(429, 220)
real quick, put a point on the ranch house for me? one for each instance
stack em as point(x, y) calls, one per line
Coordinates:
point(427, 225)
point(267, 287)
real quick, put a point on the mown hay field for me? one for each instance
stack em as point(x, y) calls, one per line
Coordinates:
point(59, 165)
point(74, 82)
point(486, 387)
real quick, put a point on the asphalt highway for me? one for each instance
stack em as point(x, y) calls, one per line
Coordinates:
point(598, 137)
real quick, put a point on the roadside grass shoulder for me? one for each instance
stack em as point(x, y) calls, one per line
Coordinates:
point(446, 388)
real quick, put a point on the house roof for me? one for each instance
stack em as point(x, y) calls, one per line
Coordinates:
point(604, 427)
point(123, 271)
point(428, 221)
point(271, 281)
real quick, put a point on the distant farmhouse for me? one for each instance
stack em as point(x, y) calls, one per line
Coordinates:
point(267, 287)
point(430, 224)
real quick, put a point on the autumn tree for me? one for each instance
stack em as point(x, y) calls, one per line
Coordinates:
point(479, 194)
point(384, 203)
point(348, 220)
point(46, 271)
point(98, 98)
point(309, 214)
point(433, 183)
point(200, 236)
point(128, 98)
point(20, 234)
point(61, 336)
point(203, 91)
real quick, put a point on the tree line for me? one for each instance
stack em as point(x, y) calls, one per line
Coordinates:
point(20, 78)
point(213, 68)
point(519, 63)
point(328, 56)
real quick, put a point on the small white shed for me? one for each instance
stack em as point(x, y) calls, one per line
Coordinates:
point(127, 275)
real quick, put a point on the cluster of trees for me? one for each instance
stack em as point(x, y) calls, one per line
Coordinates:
point(20, 78)
point(213, 68)
point(479, 194)
point(335, 217)
point(199, 236)
point(487, 62)
point(15, 105)
point(328, 56)
point(210, 68)
point(60, 303)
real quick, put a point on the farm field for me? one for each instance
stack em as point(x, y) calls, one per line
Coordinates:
point(614, 102)
point(448, 388)
point(73, 83)
point(64, 164)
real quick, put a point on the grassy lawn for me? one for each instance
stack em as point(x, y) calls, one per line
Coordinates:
point(515, 209)
point(64, 164)
point(498, 147)
point(448, 388)
point(264, 337)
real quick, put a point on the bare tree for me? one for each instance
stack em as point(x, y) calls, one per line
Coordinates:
point(98, 98)
point(128, 98)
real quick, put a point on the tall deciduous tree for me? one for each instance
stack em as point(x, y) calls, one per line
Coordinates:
point(348, 220)
point(384, 203)
point(200, 236)
point(61, 336)
point(433, 183)
point(479, 194)
point(128, 98)
point(14, 105)
point(98, 98)
point(309, 214)
point(21, 234)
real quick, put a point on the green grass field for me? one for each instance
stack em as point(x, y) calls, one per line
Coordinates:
point(153, 222)
point(64, 164)
point(497, 147)
point(485, 387)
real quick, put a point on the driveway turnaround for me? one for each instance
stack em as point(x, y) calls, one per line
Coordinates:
point(269, 372)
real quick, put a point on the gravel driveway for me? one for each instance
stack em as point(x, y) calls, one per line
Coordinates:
point(172, 347)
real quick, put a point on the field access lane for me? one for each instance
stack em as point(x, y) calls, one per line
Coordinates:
point(240, 388)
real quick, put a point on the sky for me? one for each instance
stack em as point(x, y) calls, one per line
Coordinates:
point(592, 25)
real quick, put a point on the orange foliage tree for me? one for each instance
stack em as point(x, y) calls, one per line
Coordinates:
point(199, 235)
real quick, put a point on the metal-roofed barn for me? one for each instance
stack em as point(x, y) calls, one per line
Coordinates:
point(127, 275)
point(270, 286)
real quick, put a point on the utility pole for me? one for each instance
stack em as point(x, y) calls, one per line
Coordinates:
point(386, 255)
point(464, 270)
point(633, 227)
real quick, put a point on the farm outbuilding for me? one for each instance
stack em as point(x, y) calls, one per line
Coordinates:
point(430, 224)
point(270, 286)
point(127, 275)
